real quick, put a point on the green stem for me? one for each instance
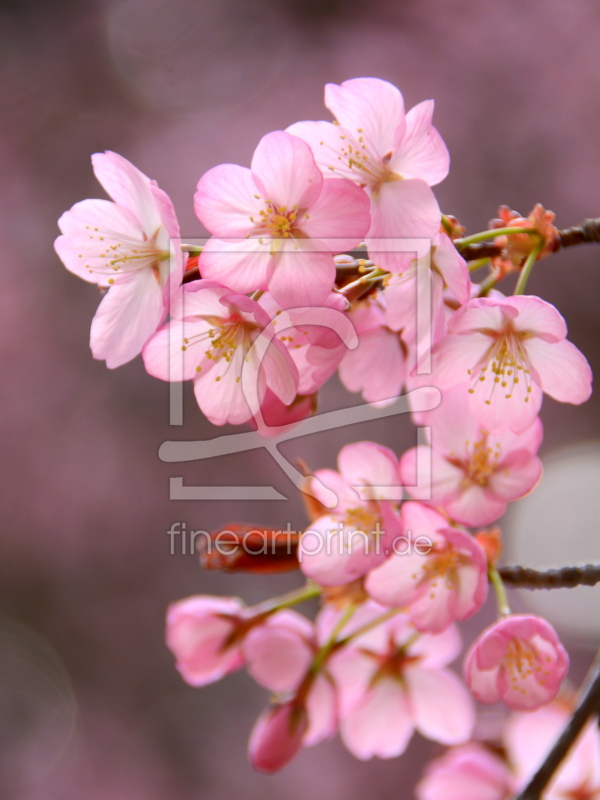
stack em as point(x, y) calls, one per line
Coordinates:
point(329, 645)
point(479, 262)
point(484, 236)
point(257, 295)
point(527, 267)
point(374, 623)
point(194, 249)
point(499, 588)
point(369, 277)
point(306, 592)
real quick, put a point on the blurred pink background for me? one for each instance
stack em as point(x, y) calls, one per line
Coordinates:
point(91, 707)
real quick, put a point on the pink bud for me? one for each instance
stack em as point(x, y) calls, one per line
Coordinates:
point(201, 634)
point(519, 660)
point(277, 737)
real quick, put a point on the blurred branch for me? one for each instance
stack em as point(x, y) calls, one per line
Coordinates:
point(588, 705)
point(564, 578)
point(586, 233)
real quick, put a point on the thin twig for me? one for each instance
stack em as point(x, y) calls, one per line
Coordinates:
point(565, 578)
point(588, 705)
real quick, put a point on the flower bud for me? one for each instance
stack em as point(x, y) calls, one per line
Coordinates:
point(277, 737)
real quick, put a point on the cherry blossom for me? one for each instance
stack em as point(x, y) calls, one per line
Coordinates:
point(204, 635)
point(358, 533)
point(393, 680)
point(130, 247)
point(395, 155)
point(210, 340)
point(278, 224)
point(277, 737)
point(474, 473)
point(519, 660)
point(509, 351)
point(468, 772)
point(445, 580)
point(528, 738)
point(279, 654)
point(377, 367)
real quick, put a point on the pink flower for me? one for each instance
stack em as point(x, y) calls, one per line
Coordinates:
point(377, 367)
point(210, 340)
point(395, 156)
point(129, 246)
point(278, 224)
point(528, 739)
point(204, 635)
point(441, 573)
point(319, 340)
point(279, 652)
point(469, 772)
point(519, 660)
point(474, 473)
point(392, 681)
point(277, 737)
point(278, 655)
point(358, 533)
point(510, 351)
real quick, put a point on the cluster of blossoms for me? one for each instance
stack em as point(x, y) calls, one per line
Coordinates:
point(316, 263)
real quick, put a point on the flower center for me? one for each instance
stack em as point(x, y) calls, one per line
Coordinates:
point(224, 339)
point(504, 365)
point(362, 519)
point(118, 256)
point(276, 222)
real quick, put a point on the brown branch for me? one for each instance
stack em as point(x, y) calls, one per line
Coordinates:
point(588, 705)
point(564, 578)
point(586, 233)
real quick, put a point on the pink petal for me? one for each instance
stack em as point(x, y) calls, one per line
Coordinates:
point(538, 317)
point(325, 141)
point(475, 506)
point(321, 707)
point(453, 268)
point(126, 318)
point(438, 650)
point(225, 200)
point(393, 584)
point(340, 217)
point(347, 496)
point(281, 374)
point(376, 367)
point(285, 171)
point(402, 210)
point(497, 407)
point(516, 475)
point(163, 355)
point(368, 464)
point(485, 314)
point(353, 671)
point(301, 277)
point(563, 370)
point(129, 188)
point(223, 400)
point(421, 153)
point(243, 265)
point(276, 656)
point(369, 107)
point(442, 707)
point(381, 725)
